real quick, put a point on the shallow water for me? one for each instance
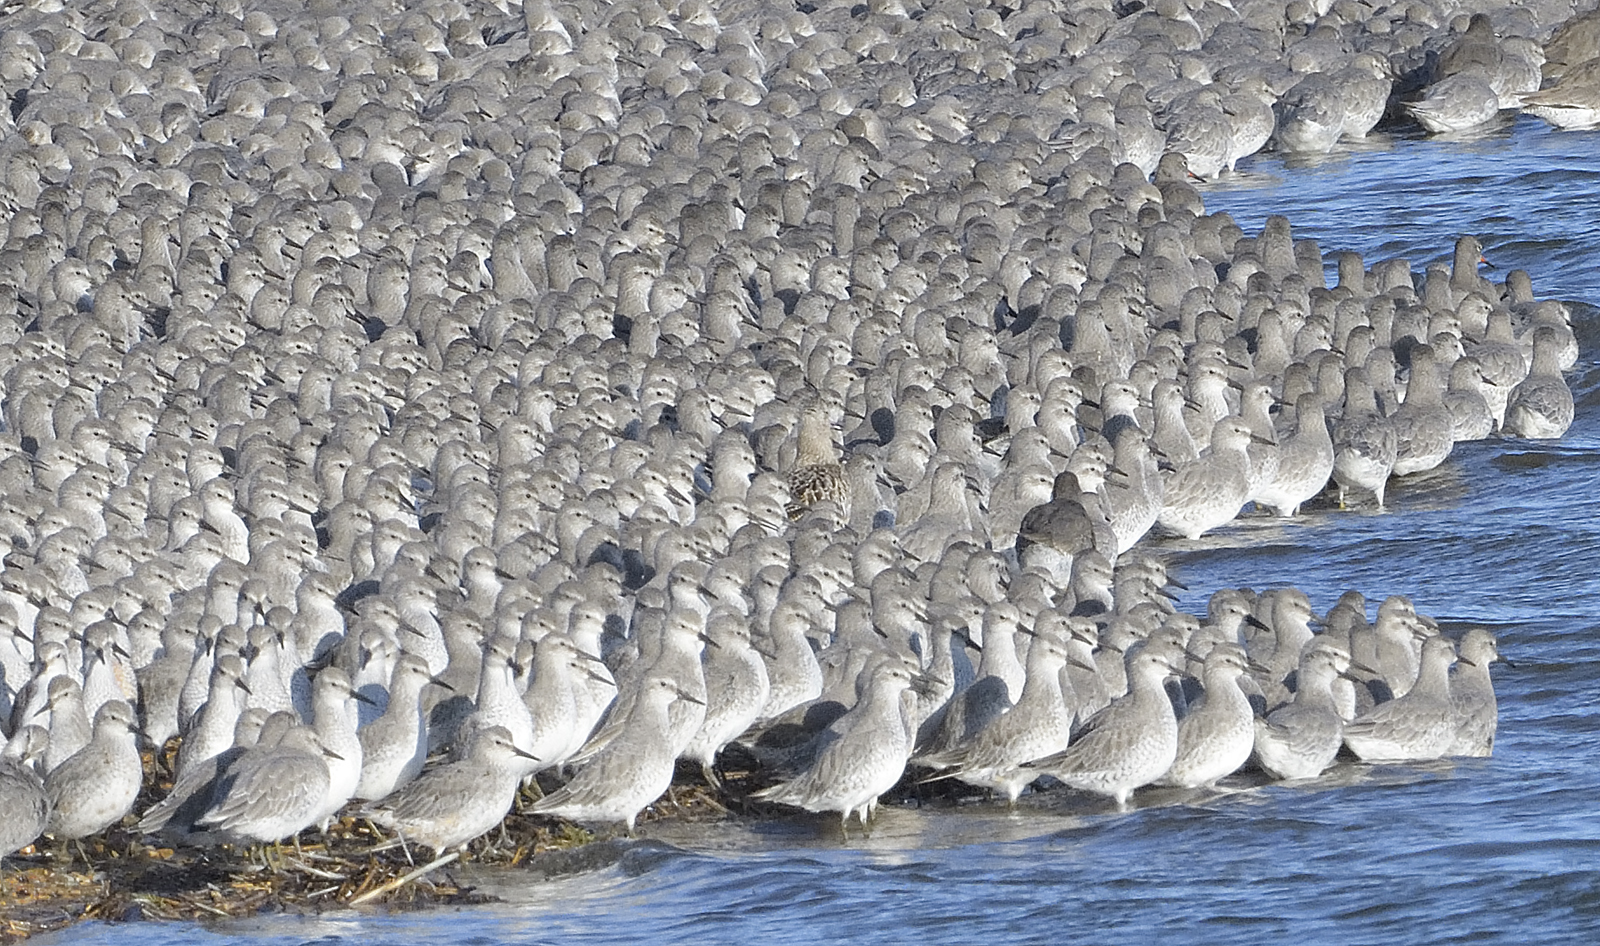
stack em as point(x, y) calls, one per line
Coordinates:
point(1505, 534)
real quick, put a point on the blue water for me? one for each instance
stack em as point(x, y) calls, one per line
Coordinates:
point(1505, 849)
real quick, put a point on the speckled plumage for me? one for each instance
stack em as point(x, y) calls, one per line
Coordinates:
point(863, 756)
point(1301, 739)
point(1418, 726)
point(1215, 737)
point(22, 793)
point(448, 806)
point(1129, 744)
point(97, 785)
point(273, 791)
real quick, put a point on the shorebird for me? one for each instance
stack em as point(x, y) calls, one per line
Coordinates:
point(1541, 407)
point(1305, 460)
point(1418, 726)
point(631, 768)
point(97, 785)
point(1472, 692)
point(448, 806)
point(273, 791)
point(1210, 490)
point(1573, 101)
point(1364, 441)
point(1040, 724)
point(1301, 739)
point(22, 792)
point(817, 474)
point(865, 756)
point(1216, 736)
point(1129, 744)
point(395, 745)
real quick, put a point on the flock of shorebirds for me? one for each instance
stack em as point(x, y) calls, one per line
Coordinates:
point(400, 405)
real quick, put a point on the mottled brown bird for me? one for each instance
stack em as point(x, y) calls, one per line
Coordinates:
point(817, 475)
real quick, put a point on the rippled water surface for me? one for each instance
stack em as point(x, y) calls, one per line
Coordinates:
point(1505, 534)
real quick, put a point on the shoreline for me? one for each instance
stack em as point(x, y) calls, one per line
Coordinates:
point(49, 887)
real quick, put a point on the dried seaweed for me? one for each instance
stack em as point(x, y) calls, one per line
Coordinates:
point(116, 877)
